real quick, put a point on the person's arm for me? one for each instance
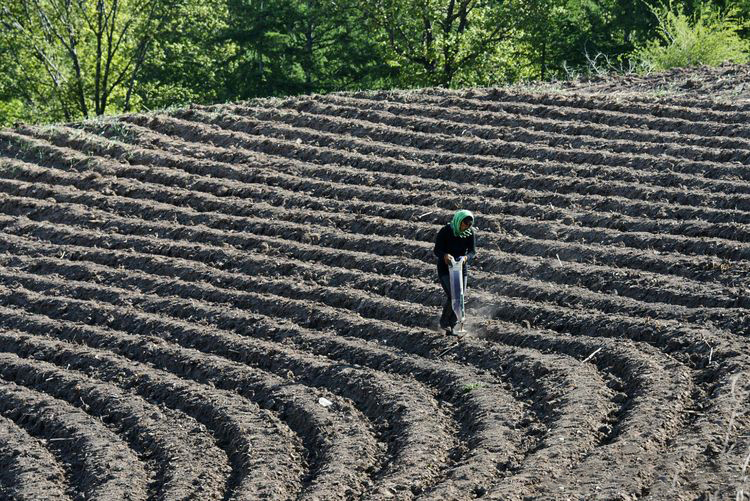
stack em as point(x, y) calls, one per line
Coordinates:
point(440, 250)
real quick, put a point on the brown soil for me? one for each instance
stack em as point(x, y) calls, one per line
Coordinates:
point(240, 301)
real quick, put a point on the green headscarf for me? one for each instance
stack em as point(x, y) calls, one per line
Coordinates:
point(456, 223)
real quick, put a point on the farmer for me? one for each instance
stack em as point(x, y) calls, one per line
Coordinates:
point(454, 240)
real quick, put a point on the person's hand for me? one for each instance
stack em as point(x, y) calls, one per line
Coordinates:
point(448, 259)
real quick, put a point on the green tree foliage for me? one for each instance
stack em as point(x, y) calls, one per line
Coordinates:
point(435, 42)
point(188, 62)
point(558, 37)
point(709, 37)
point(75, 58)
point(298, 47)
point(67, 59)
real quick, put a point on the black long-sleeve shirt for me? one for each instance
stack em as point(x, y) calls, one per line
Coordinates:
point(447, 243)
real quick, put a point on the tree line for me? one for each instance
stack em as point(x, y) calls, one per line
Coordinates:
point(64, 60)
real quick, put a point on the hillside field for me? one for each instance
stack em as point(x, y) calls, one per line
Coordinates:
point(239, 302)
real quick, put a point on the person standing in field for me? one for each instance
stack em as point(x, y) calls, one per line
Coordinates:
point(454, 240)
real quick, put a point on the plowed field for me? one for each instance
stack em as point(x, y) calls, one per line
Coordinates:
point(240, 301)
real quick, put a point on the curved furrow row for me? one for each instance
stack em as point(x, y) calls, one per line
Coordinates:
point(182, 264)
point(589, 421)
point(639, 391)
point(380, 396)
point(28, 470)
point(494, 435)
point(318, 147)
point(670, 336)
point(703, 444)
point(179, 287)
point(719, 449)
point(651, 384)
point(264, 463)
point(98, 463)
point(538, 306)
point(608, 111)
point(720, 203)
point(464, 109)
point(439, 136)
point(724, 317)
point(528, 143)
point(641, 286)
point(185, 268)
point(662, 401)
point(510, 163)
point(719, 269)
point(531, 228)
point(188, 465)
point(491, 445)
point(217, 201)
point(729, 250)
point(635, 234)
point(541, 369)
point(325, 228)
point(127, 140)
point(339, 446)
point(718, 89)
point(403, 288)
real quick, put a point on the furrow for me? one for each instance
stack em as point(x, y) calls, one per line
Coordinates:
point(403, 288)
point(234, 350)
point(318, 123)
point(717, 89)
point(519, 310)
point(339, 448)
point(638, 285)
point(193, 310)
point(670, 335)
point(720, 201)
point(187, 463)
point(310, 145)
point(475, 112)
point(514, 180)
point(485, 139)
point(645, 387)
point(605, 211)
point(657, 391)
point(607, 111)
point(627, 231)
point(571, 233)
point(510, 308)
point(28, 471)
point(491, 445)
point(378, 395)
point(719, 268)
point(336, 229)
point(718, 445)
point(99, 463)
point(522, 226)
point(235, 423)
point(312, 343)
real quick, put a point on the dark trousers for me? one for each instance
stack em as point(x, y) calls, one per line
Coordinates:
point(448, 318)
